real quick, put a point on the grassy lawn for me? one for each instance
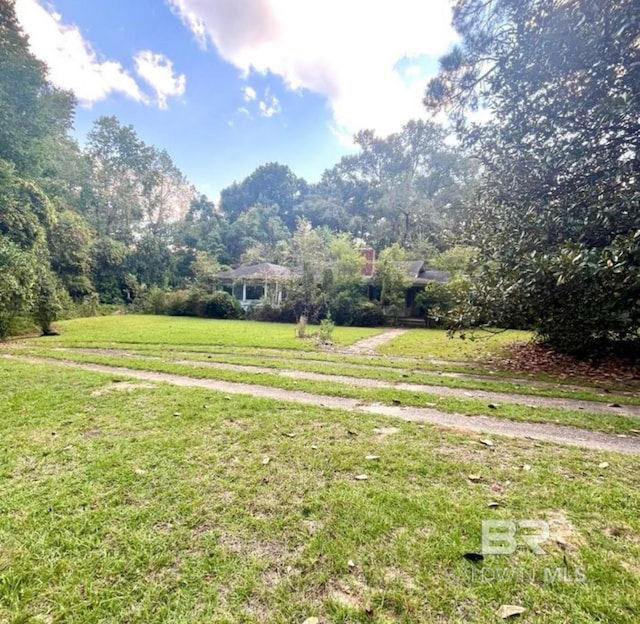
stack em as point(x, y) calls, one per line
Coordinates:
point(436, 344)
point(130, 502)
point(167, 330)
point(609, 423)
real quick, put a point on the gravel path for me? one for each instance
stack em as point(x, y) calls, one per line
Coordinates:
point(479, 424)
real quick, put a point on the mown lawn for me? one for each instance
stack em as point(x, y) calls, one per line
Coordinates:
point(129, 502)
point(437, 344)
point(167, 330)
point(609, 423)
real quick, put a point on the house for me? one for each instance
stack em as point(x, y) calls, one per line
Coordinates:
point(254, 283)
point(418, 277)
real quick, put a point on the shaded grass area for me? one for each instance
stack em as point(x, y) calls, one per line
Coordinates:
point(167, 330)
point(609, 423)
point(135, 504)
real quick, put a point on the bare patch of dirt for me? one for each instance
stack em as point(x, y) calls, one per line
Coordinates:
point(562, 532)
point(393, 575)
point(385, 432)
point(122, 386)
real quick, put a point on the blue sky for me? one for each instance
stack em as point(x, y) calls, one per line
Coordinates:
point(227, 85)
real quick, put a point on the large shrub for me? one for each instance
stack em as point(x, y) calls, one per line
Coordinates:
point(220, 305)
point(368, 314)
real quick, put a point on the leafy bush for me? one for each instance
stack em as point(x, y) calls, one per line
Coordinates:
point(441, 302)
point(272, 313)
point(368, 314)
point(182, 303)
point(220, 305)
point(151, 301)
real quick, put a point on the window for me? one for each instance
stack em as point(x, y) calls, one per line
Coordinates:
point(255, 291)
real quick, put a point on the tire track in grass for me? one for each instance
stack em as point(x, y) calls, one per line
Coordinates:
point(557, 434)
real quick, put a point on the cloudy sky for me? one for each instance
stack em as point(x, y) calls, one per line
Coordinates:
point(228, 85)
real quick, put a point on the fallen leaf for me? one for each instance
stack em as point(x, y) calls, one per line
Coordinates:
point(486, 442)
point(372, 457)
point(474, 477)
point(177, 414)
point(314, 447)
point(361, 477)
point(473, 556)
point(603, 465)
point(289, 435)
point(351, 563)
point(265, 461)
point(493, 504)
point(507, 611)
point(526, 467)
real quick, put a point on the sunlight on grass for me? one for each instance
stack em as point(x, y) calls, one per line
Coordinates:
point(169, 330)
point(126, 502)
point(436, 343)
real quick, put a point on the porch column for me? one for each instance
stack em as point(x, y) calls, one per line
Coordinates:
point(244, 291)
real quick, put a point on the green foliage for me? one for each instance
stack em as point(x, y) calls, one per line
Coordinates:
point(70, 243)
point(392, 280)
point(269, 185)
point(204, 269)
point(557, 214)
point(220, 305)
point(18, 270)
point(108, 265)
point(367, 314)
point(442, 302)
point(46, 306)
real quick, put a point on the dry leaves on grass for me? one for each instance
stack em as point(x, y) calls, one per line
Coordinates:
point(534, 358)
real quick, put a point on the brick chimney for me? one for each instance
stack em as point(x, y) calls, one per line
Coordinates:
point(369, 255)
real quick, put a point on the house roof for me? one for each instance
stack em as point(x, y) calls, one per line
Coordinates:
point(264, 271)
point(412, 268)
point(432, 276)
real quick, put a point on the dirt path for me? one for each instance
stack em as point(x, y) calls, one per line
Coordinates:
point(478, 424)
point(368, 346)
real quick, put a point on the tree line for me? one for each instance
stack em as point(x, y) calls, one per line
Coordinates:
point(539, 203)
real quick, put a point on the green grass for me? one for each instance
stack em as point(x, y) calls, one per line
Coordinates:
point(436, 344)
point(609, 423)
point(166, 330)
point(134, 504)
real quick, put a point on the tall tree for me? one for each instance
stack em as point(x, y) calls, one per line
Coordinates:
point(31, 109)
point(559, 206)
point(272, 184)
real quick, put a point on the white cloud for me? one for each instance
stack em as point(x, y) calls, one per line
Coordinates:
point(269, 107)
point(249, 94)
point(73, 63)
point(346, 51)
point(157, 71)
